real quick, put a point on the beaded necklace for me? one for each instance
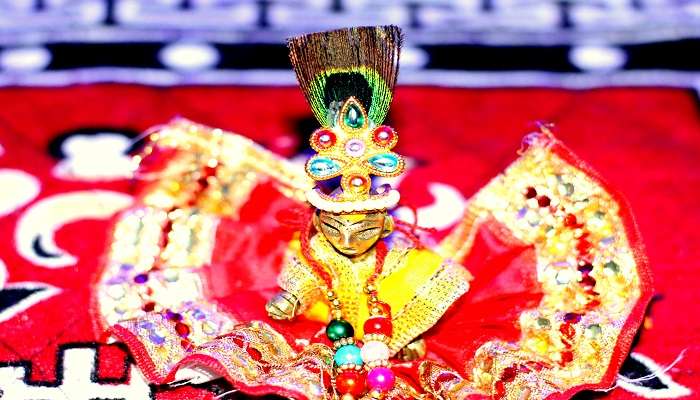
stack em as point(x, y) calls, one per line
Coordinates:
point(358, 368)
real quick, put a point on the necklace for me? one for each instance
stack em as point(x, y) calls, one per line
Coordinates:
point(358, 369)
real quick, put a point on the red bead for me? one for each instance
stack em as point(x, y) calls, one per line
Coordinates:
point(182, 329)
point(530, 193)
point(378, 325)
point(351, 382)
point(148, 307)
point(323, 139)
point(383, 135)
point(543, 201)
point(570, 221)
point(384, 308)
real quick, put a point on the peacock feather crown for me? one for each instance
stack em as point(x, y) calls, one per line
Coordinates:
point(348, 78)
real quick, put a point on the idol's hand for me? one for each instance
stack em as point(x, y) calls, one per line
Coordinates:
point(414, 350)
point(283, 306)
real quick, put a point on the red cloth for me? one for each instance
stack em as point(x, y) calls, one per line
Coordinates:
point(644, 142)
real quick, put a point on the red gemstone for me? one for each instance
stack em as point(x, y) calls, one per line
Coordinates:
point(508, 374)
point(543, 201)
point(182, 329)
point(583, 245)
point(587, 281)
point(323, 139)
point(254, 353)
point(572, 317)
point(570, 221)
point(567, 330)
point(351, 382)
point(567, 357)
point(530, 192)
point(586, 268)
point(593, 304)
point(383, 135)
point(500, 390)
point(148, 307)
point(379, 325)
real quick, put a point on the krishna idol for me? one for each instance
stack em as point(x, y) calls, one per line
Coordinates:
point(235, 263)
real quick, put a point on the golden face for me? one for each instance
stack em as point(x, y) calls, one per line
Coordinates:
point(353, 234)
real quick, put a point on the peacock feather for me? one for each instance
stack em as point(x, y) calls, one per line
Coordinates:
point(360, 62)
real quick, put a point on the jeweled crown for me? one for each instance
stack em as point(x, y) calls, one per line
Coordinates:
point(348, 78)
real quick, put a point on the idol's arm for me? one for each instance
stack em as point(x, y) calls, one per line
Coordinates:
point(300, 290)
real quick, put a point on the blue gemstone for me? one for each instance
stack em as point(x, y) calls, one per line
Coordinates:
point(321, 167)
point(348, 354)
point(386, 163)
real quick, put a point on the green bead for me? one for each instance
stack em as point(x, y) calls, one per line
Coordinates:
point(353, 117)
point(339, 329)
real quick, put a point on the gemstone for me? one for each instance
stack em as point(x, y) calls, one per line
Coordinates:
point(323, 139)
point(567, 330)
point(570, 221)
point(383, 135)
point(508, 374)
point(351, 382)
point(357, 181)
point(148, 307)
point(568, 189)
point(338, 329)
point(563, 277)
point(355, 147)
point(198, 314)
point(353, 117)
point(543, 322)
point(586, 268)
point(182, 329)
point(173, 316)
point(612, 266)
point(500, 389)
point(374, 351)
point(348, 355)
point(593, 331)
point(572, 317)
point(141, 278)
point(386, 163)
point(543, 201)
point(378, 325)
point(156, 338)
point(567, 357)
point(321, 167)
point(381, 379)
point(587, 281)
point(530, 193)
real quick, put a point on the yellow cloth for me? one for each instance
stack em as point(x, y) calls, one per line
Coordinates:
point(419, 285)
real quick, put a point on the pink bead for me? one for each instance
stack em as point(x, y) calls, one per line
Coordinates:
point(381, 379)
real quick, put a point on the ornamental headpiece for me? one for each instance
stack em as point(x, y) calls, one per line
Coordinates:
point(348, 78)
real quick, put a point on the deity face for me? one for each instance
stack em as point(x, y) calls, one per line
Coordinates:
point(353, 234)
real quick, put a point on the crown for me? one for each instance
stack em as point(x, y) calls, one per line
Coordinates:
point(348, 78)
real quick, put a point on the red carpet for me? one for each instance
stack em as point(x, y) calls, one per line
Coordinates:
point(645, 142)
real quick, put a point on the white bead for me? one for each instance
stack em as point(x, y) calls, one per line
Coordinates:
point(374, 351)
